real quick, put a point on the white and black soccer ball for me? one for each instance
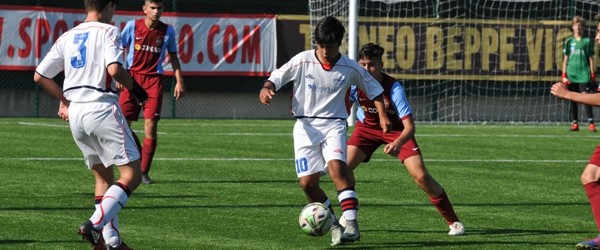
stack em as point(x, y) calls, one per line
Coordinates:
point(315, 219)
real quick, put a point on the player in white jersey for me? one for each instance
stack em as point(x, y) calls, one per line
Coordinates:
point(91, 55)
point(321, 79)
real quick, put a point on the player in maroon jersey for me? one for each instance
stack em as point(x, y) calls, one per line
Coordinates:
point(147, 40)
point(400, 141)
point(590, 178)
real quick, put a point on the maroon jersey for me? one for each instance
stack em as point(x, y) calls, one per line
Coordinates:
point(394, 100)
point(147, 47)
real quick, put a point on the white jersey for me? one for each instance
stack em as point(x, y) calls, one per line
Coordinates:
point(84, 80)
point(320, 93)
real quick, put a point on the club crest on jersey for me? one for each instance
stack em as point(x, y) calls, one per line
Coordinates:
point(159, 41)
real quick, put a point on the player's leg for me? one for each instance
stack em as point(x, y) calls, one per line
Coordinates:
point(78, 111)
point(131, 110)
point(361, 145)
point(149, 148)
point(573, 108)
point(334, 152)
point(310, 166)
point(590, 88)
point(104, 179)
point(435, 192)
point(590, 178)
point(152, 112)
point(355, 157)
point(114, 144)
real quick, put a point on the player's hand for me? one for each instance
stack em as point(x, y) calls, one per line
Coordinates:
point(565, 81)
point(139, 93)
point(385, 123)
point(391, 149)
point(559, 89)
point(63, 111)
point(179, 90)
point(265, 95)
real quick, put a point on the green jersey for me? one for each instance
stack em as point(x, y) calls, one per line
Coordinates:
point(578, 64)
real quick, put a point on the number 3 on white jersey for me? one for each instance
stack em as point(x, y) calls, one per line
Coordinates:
point(78, 61)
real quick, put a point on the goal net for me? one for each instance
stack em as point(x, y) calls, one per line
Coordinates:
point(471, 61)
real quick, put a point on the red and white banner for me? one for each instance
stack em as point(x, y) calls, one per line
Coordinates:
point(208, 44)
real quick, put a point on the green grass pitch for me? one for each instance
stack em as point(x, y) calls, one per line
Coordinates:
point(230, 184)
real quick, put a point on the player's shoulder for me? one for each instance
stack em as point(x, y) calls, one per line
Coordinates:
point(571, 38)
point(307, 55)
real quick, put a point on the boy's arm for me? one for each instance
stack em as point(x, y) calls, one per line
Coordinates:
point(179, 90)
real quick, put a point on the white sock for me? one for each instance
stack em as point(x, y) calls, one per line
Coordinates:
point(112, 202)
point(349, 214)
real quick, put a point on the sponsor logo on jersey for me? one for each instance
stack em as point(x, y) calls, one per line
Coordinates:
point(328, 90)
point(339, 81)
point(118, 157)
point(149, 48)
point(415, 148)
point(309, 76)
point(138, 38)
point(338, 150)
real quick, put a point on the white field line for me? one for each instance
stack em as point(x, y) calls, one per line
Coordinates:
point(290, 133)
point(290, 159)
point(41, 124)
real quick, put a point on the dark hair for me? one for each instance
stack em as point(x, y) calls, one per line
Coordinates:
point(97, 5)
point(329, 30)
point(370, 50)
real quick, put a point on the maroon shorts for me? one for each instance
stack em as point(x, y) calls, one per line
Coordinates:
point(369, 139)
point(595, 159)
point(153, 84)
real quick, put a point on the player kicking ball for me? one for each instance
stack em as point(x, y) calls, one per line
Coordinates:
point(90, 55)
point(321, 79)
point(590, 178)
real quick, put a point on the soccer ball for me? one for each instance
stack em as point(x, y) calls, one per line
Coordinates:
point(315, 219)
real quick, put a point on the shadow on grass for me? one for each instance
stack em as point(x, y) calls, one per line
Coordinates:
point(266, 205)
point(485, 244)
point(28, 242)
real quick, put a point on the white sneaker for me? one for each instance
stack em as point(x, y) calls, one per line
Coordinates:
point(456, 228)
point(336, 234)
point(351, 232)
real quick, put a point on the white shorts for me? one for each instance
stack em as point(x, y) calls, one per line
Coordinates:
point(318, 141)
point(101, 133)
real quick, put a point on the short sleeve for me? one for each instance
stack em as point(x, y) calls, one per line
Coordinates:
point(53, 62)
point(113, 47)
point(171, 42)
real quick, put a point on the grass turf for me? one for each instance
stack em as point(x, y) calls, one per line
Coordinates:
point(230, 184)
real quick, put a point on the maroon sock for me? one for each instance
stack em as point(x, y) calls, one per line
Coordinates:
point(592, 190)
point(443, 205)
point(148, 154)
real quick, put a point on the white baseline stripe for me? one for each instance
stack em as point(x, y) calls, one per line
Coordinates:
point(290, 159)
point(289, 134)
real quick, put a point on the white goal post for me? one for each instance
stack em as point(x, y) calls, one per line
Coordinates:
point(469, 61)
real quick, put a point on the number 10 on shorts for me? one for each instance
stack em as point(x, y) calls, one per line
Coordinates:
point(301, 165)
